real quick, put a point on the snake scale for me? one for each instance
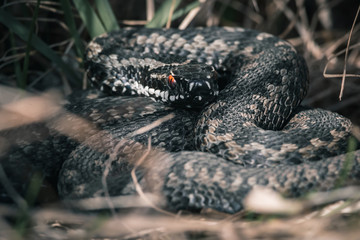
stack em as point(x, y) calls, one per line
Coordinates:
point(226, 119)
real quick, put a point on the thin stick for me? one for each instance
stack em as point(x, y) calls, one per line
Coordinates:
point(346, 55)
point(137, 185)
point(302, 29)
point(328, 75)
point(152, 125)
point(105, 186)
point(150, 10)
point(256, 6)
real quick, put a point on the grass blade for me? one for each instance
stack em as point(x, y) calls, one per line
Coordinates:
point(20, 30)
point(69, 18)
point(162, 14)
point(89, 17)
point(17, 66)
point(185, 10)
point(22, 83)
point(106, 15)
point(349, 162)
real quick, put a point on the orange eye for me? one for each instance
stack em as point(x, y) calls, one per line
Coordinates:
point(171, 81)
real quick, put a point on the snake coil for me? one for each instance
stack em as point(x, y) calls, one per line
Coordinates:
point(231, 121)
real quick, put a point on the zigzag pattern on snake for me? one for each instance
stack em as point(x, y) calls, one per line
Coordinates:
point(231, 100)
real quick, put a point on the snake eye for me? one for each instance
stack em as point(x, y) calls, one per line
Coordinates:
point(171, 81)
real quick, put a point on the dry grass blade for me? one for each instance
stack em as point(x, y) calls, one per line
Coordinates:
point(171, 12)
point(328, 75)
point(137, 185)
point(113, 157)
point(302, 29)
point(150, 10)
point(161, 17)
point(346, 55)
point(190, 16)
point(329, 51)
point(119, 202)
point(150, 126)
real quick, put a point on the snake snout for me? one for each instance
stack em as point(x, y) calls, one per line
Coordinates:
point(202, 92)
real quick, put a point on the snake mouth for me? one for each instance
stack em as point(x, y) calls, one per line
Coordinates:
point(196, 102)
point(197, 95)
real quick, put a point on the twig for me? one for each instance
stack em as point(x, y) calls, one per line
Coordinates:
point(346, 55)
point(337, 43)
point(150, 10)
point(150, 126)
point(137, 185)
point(105, 185)
point(113, 158)
point(303, 31)
point(327, 75)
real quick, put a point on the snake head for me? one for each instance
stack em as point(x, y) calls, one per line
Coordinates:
point(191, 85)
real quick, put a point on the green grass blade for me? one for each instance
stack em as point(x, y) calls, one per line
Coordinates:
point(22, 83)
point(185, 10)
point(349, 162)
point(162, 14)
point(69, 18)
point(89, 17)
point(20, 30)
point(107, 15)
point(17, 66)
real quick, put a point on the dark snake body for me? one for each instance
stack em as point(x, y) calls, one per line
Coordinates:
point(250, 133)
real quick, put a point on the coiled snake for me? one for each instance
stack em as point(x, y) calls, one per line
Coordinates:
point(233, 121)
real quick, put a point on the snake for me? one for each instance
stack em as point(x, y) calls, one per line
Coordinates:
point(201, 116)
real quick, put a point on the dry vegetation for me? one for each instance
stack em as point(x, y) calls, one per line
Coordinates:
point(325, 32)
